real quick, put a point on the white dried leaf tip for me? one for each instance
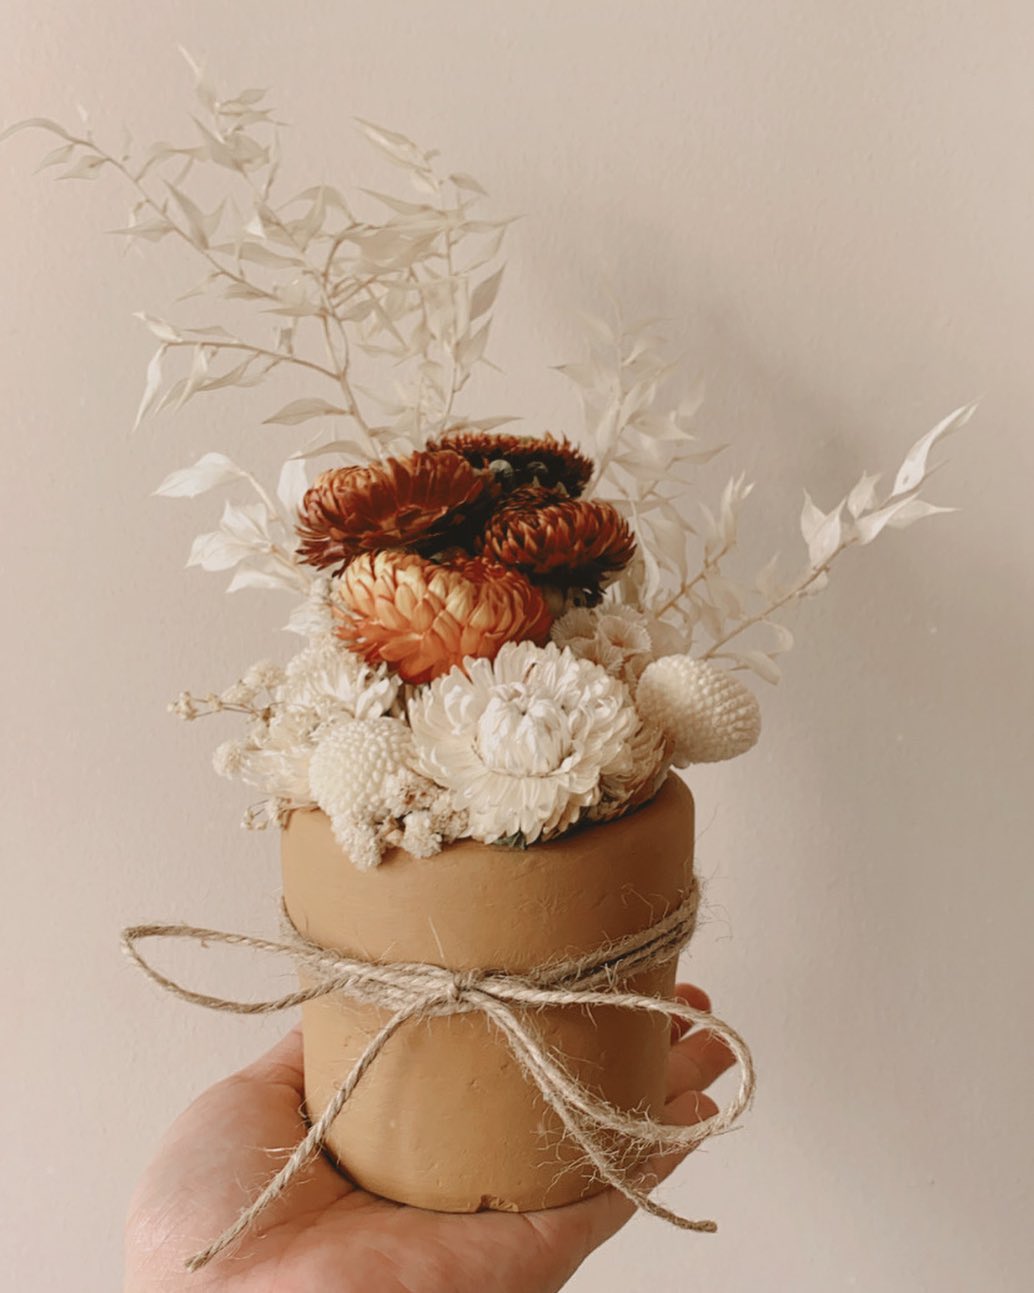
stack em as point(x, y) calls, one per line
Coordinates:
point(708, 714)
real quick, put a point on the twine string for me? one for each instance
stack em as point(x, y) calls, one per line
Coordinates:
point(614, 1142)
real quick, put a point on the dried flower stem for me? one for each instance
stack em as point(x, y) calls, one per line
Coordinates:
point(796, 591)
point(280, 356)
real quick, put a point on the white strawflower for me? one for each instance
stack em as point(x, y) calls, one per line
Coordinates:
point(332, 681)
point(522, 740)
point(275, 758)
point(621, 639)
point(708, 714)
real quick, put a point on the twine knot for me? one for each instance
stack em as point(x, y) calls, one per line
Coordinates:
point(462, 982)
point(609, 1137)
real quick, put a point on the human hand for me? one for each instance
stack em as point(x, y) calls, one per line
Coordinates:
point(324, 1235)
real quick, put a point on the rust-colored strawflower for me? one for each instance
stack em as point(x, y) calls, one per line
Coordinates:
point(569, 543)
point(422, 618)
point(544, 460)
point(413, 502)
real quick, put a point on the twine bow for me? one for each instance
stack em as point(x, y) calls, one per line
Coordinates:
point(417, 990)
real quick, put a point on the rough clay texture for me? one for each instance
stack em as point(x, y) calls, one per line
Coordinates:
point(445, 1119)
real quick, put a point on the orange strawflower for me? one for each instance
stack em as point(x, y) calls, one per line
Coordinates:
point(570, 543)
point(554, 464)
point(422, 618)
point(412, 502)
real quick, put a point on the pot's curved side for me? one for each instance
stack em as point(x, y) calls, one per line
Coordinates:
point(445, 1119)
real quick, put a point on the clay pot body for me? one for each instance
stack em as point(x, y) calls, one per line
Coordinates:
point(444, 1118)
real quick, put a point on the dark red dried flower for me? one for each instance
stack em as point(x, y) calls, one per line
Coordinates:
point(416, 502)
point(544, 460)
point(569, 543)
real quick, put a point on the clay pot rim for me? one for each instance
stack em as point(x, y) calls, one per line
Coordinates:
point(576, 833)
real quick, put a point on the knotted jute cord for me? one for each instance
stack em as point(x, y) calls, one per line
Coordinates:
point(412, 990)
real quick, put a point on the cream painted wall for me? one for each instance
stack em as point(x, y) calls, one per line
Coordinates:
point(832, 204)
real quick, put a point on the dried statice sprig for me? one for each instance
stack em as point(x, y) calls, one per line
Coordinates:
point(647, 455)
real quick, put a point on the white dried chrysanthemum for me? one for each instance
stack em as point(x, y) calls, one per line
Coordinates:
point(708, 714)
point(621, 639)
point(332, 682)
point(523, 739)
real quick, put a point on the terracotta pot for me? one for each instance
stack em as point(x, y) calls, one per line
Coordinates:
point(444, 1118)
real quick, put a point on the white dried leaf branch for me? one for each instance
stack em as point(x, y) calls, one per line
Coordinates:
point(645, 448)
point(856, 520)
point(339, 300)
point(646, 454)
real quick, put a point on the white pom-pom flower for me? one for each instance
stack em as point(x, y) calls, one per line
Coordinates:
point(523, 739)
point(708, 714)
point(352, 767)
point(621, 639)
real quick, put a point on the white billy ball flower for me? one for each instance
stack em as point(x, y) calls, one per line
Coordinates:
point(523, 739)
point(708, 714)
point(353, 768)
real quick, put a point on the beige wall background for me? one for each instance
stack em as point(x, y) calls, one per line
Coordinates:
point(832, 205)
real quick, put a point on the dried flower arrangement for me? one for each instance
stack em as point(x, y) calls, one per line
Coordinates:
point(506, 634)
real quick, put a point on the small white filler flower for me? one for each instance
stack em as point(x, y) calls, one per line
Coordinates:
point(621, 639)
point(708, 714)
point(330, 681)
point(523, 740)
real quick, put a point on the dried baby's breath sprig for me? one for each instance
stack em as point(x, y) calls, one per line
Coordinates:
point(266, 814)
